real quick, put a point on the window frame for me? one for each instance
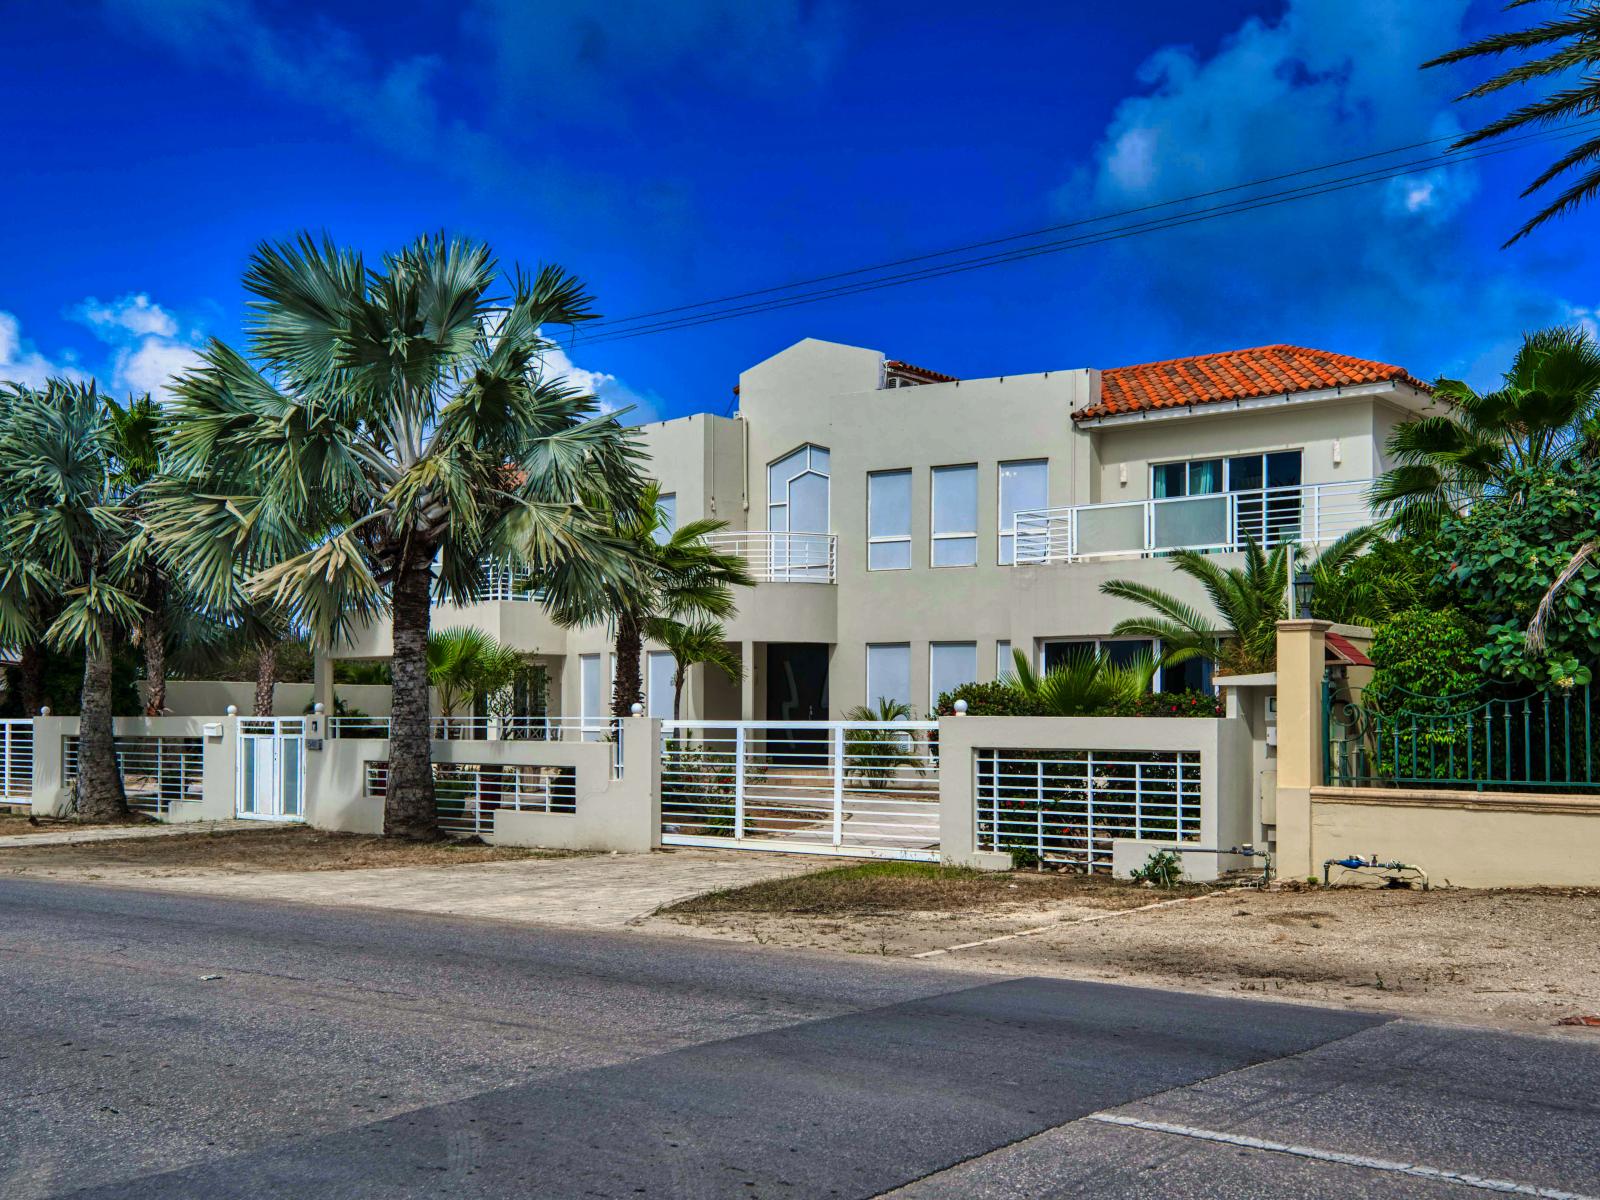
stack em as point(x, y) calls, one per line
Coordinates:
point(873, 697)
point(962, 535)
point(1007, 538)
point(934, 691)
point(897, 538)
point(667, 507)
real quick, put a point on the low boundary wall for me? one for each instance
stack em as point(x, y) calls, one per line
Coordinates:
point(1464, 838)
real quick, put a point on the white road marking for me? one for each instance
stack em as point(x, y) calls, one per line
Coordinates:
point(1105, 916)
point(1436, 1174)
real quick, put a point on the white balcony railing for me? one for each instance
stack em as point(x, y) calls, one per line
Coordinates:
point(782, 557)
point(1313, 514)
point(503, 581)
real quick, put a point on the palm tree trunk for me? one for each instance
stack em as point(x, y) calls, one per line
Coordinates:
point(409, 810)
point(99, 795)
point(677, 691)
point(30, 678)
point(628, 689)
point(266, 677)
point(153, 635)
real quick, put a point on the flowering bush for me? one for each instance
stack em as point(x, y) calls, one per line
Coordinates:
point(999, 699)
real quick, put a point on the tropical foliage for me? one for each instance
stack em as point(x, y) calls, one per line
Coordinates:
point(677, 579)
point(691, 644)
point(71, 556)
point(1426, 657)
point(390, 430)
point(1085, 685)
point(1249, 601)
point(1499, 559)
point(1546, 410)
point(876, 758)
point(1558, 56)
point(464, 663)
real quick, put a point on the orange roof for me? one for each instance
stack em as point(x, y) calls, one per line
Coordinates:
point(1233, 375)
point(905, 368)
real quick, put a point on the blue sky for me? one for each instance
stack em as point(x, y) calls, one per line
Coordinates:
point(670, 153)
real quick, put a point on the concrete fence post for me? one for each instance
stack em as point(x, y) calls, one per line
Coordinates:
point(50, 797)
point(1302, 659)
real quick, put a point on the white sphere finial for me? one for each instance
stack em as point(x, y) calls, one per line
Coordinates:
point(44, 710)
point(232, 710)
point(961, 708)
point(318, 708)
point(636, 709)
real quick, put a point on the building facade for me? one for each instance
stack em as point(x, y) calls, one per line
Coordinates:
point(910, 530)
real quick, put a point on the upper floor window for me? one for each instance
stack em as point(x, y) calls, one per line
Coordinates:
point(1258, 513)
point(888, 520)
point(1241, 473)
point(955, 516)
point(1023, 485)
point(666, 517)
point(797, 492)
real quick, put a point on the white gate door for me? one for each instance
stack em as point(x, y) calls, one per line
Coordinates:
point(869, 789)
point(271, 768)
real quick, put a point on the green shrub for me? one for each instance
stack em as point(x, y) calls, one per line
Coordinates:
point(1163, 869)
point(1425, 652)
point(996, 699)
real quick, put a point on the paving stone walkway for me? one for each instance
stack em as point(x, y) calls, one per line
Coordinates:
point(601, 891)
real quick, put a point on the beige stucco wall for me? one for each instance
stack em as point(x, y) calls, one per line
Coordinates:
point(1223, 746)
point(211, 697)
point(218, 772)
point(1462, 839)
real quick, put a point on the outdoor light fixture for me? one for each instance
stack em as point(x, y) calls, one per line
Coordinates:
point(1302, 595)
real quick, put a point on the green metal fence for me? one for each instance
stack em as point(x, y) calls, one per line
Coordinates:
point(1546, 739)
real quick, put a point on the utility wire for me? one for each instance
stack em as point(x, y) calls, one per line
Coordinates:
point(692, 319)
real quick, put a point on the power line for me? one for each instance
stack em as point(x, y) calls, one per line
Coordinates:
point(939, 270)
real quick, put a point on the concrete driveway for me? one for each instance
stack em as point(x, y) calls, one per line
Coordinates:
point(602, 891)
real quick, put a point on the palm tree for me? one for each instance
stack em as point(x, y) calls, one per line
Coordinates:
point(678, 577)
point(1364, 578)
point(70, 533)
point(465, 662)
point(690, 644)
point(394, 430)
point(1249, 600)
point(877, 757)
point(1547, 408)
point(1087, 685)
point(1554, 48)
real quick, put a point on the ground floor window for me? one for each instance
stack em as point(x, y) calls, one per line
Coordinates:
point(1191, 676)
point(888, 673)
point(658, 684)
point(950, 664)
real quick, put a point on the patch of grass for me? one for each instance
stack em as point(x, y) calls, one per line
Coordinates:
point(886, 887)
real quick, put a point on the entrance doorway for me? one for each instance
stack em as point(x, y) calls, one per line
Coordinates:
point(271, 769)
point(797, 690)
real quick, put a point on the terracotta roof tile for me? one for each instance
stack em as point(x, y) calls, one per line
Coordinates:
point(1233, 375)
point(905, 368)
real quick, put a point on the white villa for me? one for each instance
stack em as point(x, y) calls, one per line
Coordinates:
point(910, 529)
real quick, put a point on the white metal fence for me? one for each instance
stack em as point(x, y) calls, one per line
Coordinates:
point(498, 729)
point(1313, 514)
point(866, 788)
point(782, 557)
point(468, 794)
point(16, 761)
point(157, 771)
point(1067, 806)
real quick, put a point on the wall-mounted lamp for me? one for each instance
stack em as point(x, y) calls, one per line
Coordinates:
point(1303, 587)
point(1338, 452)
point(1122, 474)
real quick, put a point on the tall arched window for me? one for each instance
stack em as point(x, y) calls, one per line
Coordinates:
point(797, 506)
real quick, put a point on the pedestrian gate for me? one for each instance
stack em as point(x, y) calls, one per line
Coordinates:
point(869, 789)
point(271, 768)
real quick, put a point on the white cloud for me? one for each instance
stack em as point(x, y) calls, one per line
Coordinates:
point(614, 395)
point(1389, 270)
point(134, 314)
point(151, 365)
point(21, 363)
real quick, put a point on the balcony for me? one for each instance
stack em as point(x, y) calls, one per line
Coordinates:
point(1312, 514)
point(782, 557)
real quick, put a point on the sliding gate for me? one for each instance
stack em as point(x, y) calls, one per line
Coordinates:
point(864, 788)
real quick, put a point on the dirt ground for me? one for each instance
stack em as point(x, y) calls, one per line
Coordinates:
point(13, 823)
point(1506, 957)
point(270, 848)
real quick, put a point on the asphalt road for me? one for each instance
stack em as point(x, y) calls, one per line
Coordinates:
point(177, 1046)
